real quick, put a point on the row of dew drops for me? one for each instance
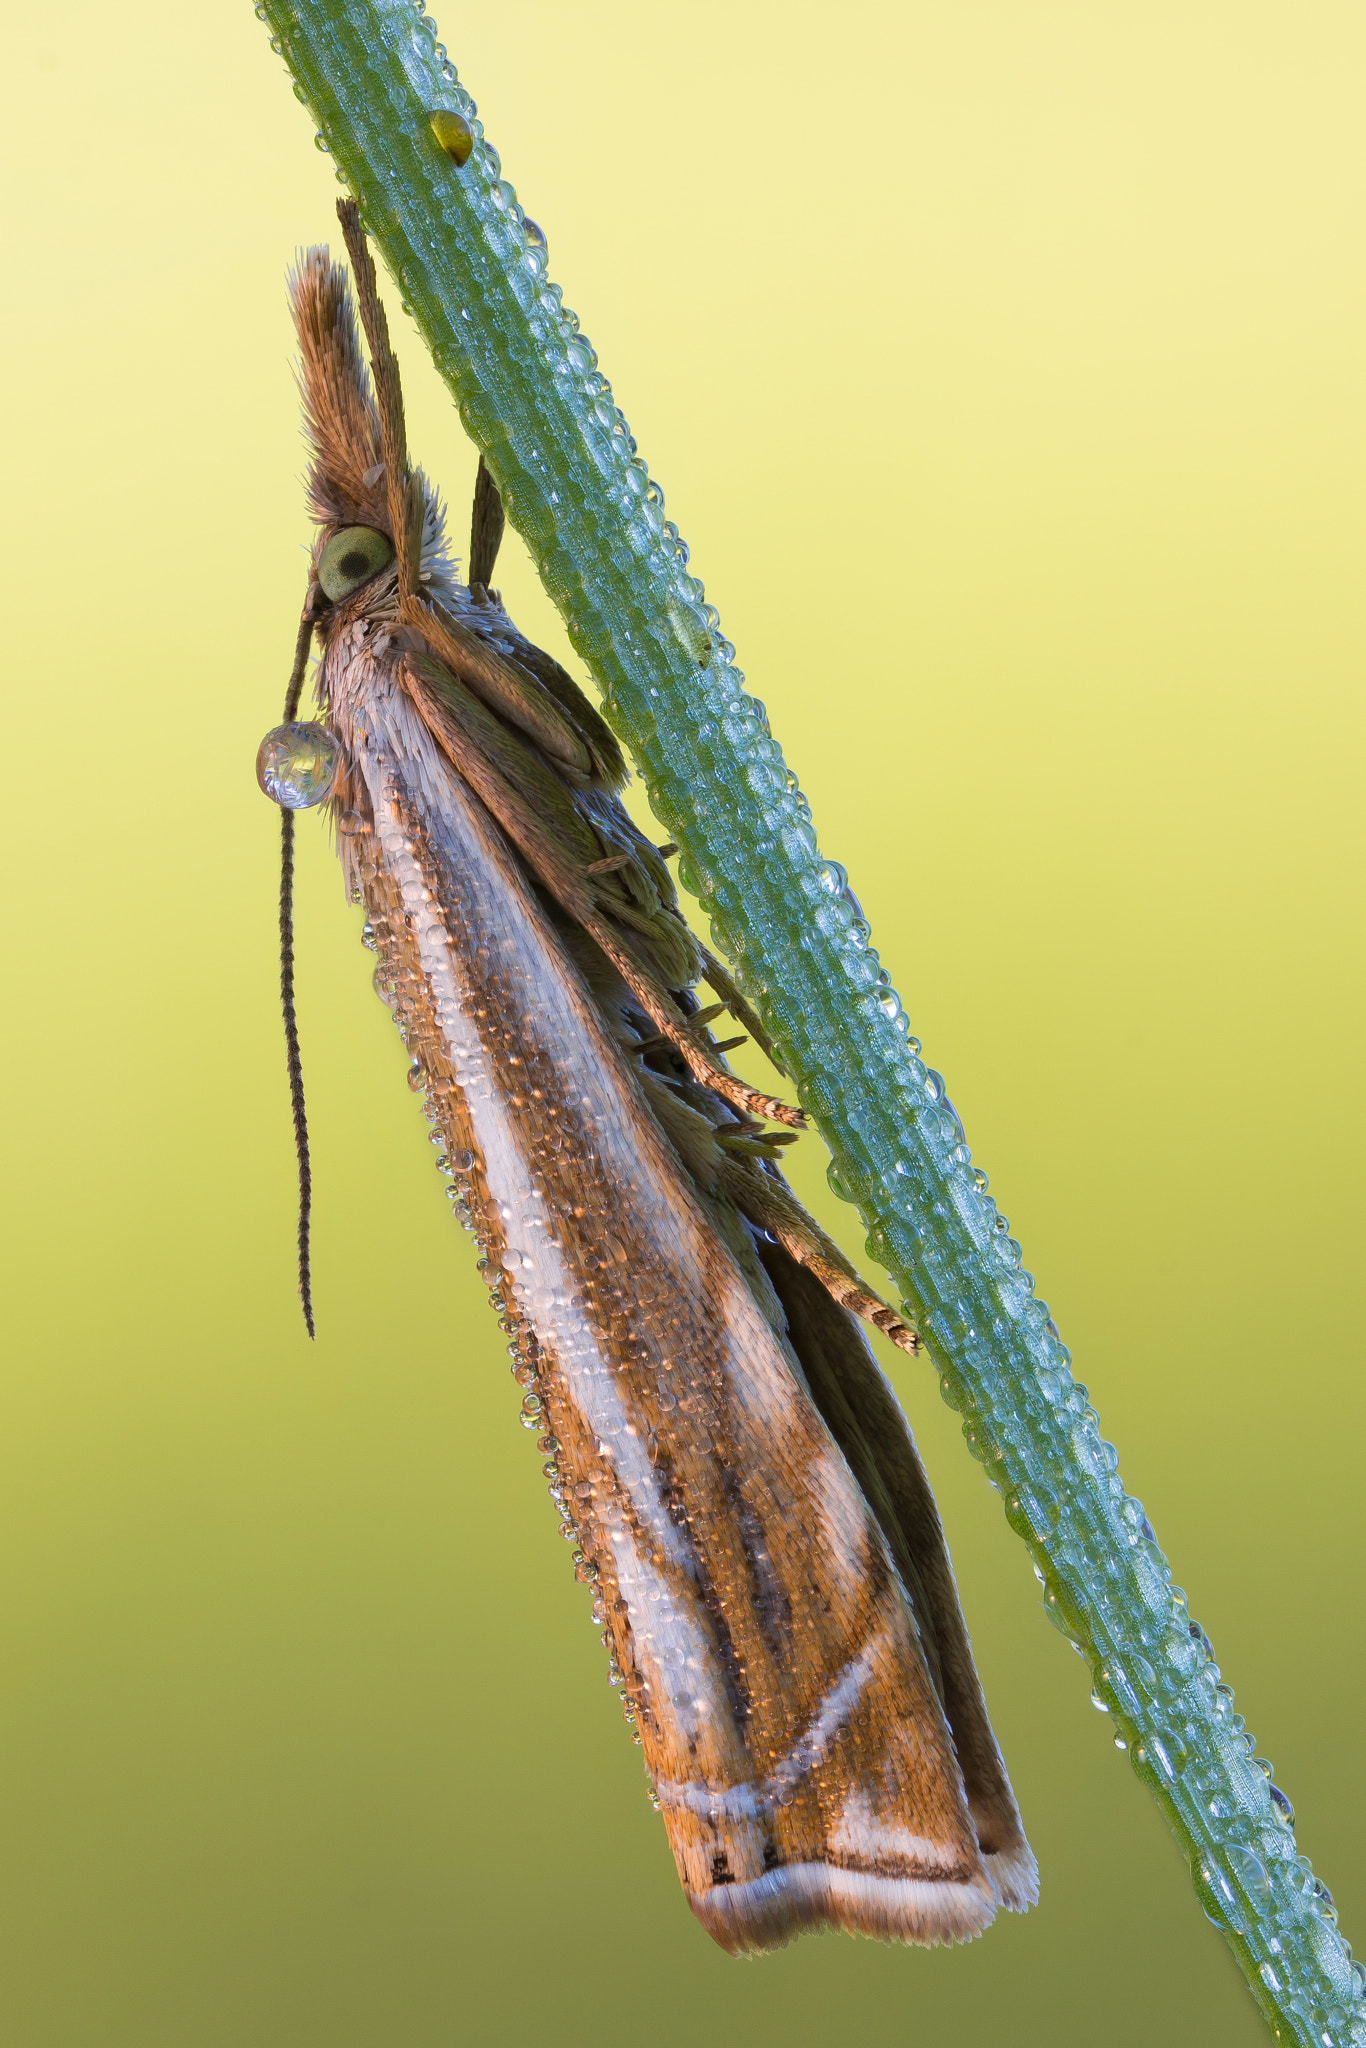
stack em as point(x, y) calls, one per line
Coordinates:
point(457, 1168)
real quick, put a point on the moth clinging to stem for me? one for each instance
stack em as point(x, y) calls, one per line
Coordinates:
point(743, 1490)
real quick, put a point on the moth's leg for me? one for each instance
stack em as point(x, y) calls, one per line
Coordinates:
point(486, 528)
point(404, 510)
point(715, 975)
point(850, 1294)
point(770, 1203)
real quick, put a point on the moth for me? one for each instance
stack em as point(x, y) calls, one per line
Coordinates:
point(743, 1492)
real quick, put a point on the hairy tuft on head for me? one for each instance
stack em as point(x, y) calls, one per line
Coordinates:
point(339, 405)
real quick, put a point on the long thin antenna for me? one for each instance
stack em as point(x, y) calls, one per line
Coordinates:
point(294, 688)
point(295, 1064)
point(292, 1059)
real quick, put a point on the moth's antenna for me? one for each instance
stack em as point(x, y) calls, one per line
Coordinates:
point(388, 397)
point(292, 1059)
point(295, 687)
point(486, 527)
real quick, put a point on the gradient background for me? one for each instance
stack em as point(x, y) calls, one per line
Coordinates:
point(306, 1735)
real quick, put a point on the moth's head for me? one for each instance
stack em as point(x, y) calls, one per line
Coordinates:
point(349, 490)
point(346, 481)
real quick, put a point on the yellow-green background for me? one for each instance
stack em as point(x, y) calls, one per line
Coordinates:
point(1001, 363)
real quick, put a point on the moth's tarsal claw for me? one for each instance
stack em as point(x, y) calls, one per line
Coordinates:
point(296, 764)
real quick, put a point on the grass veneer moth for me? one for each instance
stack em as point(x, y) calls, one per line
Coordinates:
point(744, 1491)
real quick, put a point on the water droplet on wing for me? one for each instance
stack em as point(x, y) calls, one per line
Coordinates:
point(296, 765)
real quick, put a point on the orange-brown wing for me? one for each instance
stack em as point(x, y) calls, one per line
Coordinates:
point(768, 1641)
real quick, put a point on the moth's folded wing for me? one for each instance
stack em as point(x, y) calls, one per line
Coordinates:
point(864, 1417)
point(764, 1635)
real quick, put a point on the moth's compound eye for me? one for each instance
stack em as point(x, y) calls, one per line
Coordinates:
point(296, 764)
point(351, 558)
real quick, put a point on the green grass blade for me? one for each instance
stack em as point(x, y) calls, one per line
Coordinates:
point(531, 395)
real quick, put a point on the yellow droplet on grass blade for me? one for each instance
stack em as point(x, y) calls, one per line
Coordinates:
point(455, 135)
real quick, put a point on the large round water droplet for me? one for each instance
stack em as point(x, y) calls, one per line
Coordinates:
point(296, 765)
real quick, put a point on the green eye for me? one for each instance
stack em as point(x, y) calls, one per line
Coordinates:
point(351, 558)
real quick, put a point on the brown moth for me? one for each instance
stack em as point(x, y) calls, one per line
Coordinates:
point(745, 1494)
